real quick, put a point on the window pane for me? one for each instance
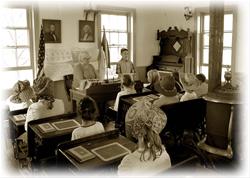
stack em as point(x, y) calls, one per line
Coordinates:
point(114, 22)
point(204, 70)
point(8, 57)
point(22, 37)
point(14, 76)
point(206, 23)
point(228, 22)
point(206, 39)
point(227, 56)
point(114, 54)
point(113, 38)
point(104, 21)
point(8, 38)
point(11, 17)
point(121, 23)
point(123, 38)
point(23, 57)
point(227, 41)
point(205, 56)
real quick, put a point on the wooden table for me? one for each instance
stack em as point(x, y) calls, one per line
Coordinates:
point(89, 143)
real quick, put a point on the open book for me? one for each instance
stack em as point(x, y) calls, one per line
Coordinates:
point(80, 154)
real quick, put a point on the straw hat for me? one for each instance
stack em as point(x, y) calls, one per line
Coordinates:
point(189, 81)
point(166, 86)
point(22, 92)
point(143, 114)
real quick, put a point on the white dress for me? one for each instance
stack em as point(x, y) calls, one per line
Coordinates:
point(188, 96)
point(17, 106)
point(202, 90)
point(131, 165)
point(39, 110)
point(126, 91)
point(81, 132)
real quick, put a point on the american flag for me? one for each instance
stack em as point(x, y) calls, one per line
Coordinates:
point(41, 54)
point(105, 48)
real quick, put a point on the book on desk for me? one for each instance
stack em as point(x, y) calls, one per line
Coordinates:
point(58, 126)
point(106, 152)
point(80, 154)
point(20, 117)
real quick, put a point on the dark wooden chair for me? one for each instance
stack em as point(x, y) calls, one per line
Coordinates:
point(220, 142)
point(68, 80)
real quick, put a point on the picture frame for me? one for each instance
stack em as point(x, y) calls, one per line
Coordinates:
point(86, 31)
point(52, 30)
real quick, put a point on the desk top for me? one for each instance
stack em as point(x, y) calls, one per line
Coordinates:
point(34, 125)
point(94, 142)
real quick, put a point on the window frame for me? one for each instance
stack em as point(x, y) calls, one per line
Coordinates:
point(200, 42)
point(30, 30)
point(130, 13)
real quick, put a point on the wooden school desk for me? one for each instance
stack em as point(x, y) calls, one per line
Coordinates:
point(180, 116)
point(42, 146)
point(16, 127)
point(64, 159)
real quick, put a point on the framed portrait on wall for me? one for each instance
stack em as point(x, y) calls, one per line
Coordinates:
point(86, 31)
point(52, 30)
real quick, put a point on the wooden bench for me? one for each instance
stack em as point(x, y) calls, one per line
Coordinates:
point(181, 116)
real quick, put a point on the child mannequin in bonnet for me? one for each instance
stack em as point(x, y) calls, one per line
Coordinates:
point(144, 122)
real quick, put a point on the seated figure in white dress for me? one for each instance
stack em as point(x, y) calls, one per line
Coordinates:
point(203, 86)
point(89, 112)
point(144, 122)
point(190, 84)
point(44, 104)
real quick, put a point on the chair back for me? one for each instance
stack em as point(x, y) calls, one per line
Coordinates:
point(68, 80)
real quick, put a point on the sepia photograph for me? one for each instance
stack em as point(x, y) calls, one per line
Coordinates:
point(126, 89)
point(86, 31)
point(52, 31)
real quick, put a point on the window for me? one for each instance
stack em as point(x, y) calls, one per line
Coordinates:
point(118, 28)
point(203, 27)
point(16, 53)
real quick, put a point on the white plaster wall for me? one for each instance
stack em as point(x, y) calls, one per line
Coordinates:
point(148, 21)
point(69, 16)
